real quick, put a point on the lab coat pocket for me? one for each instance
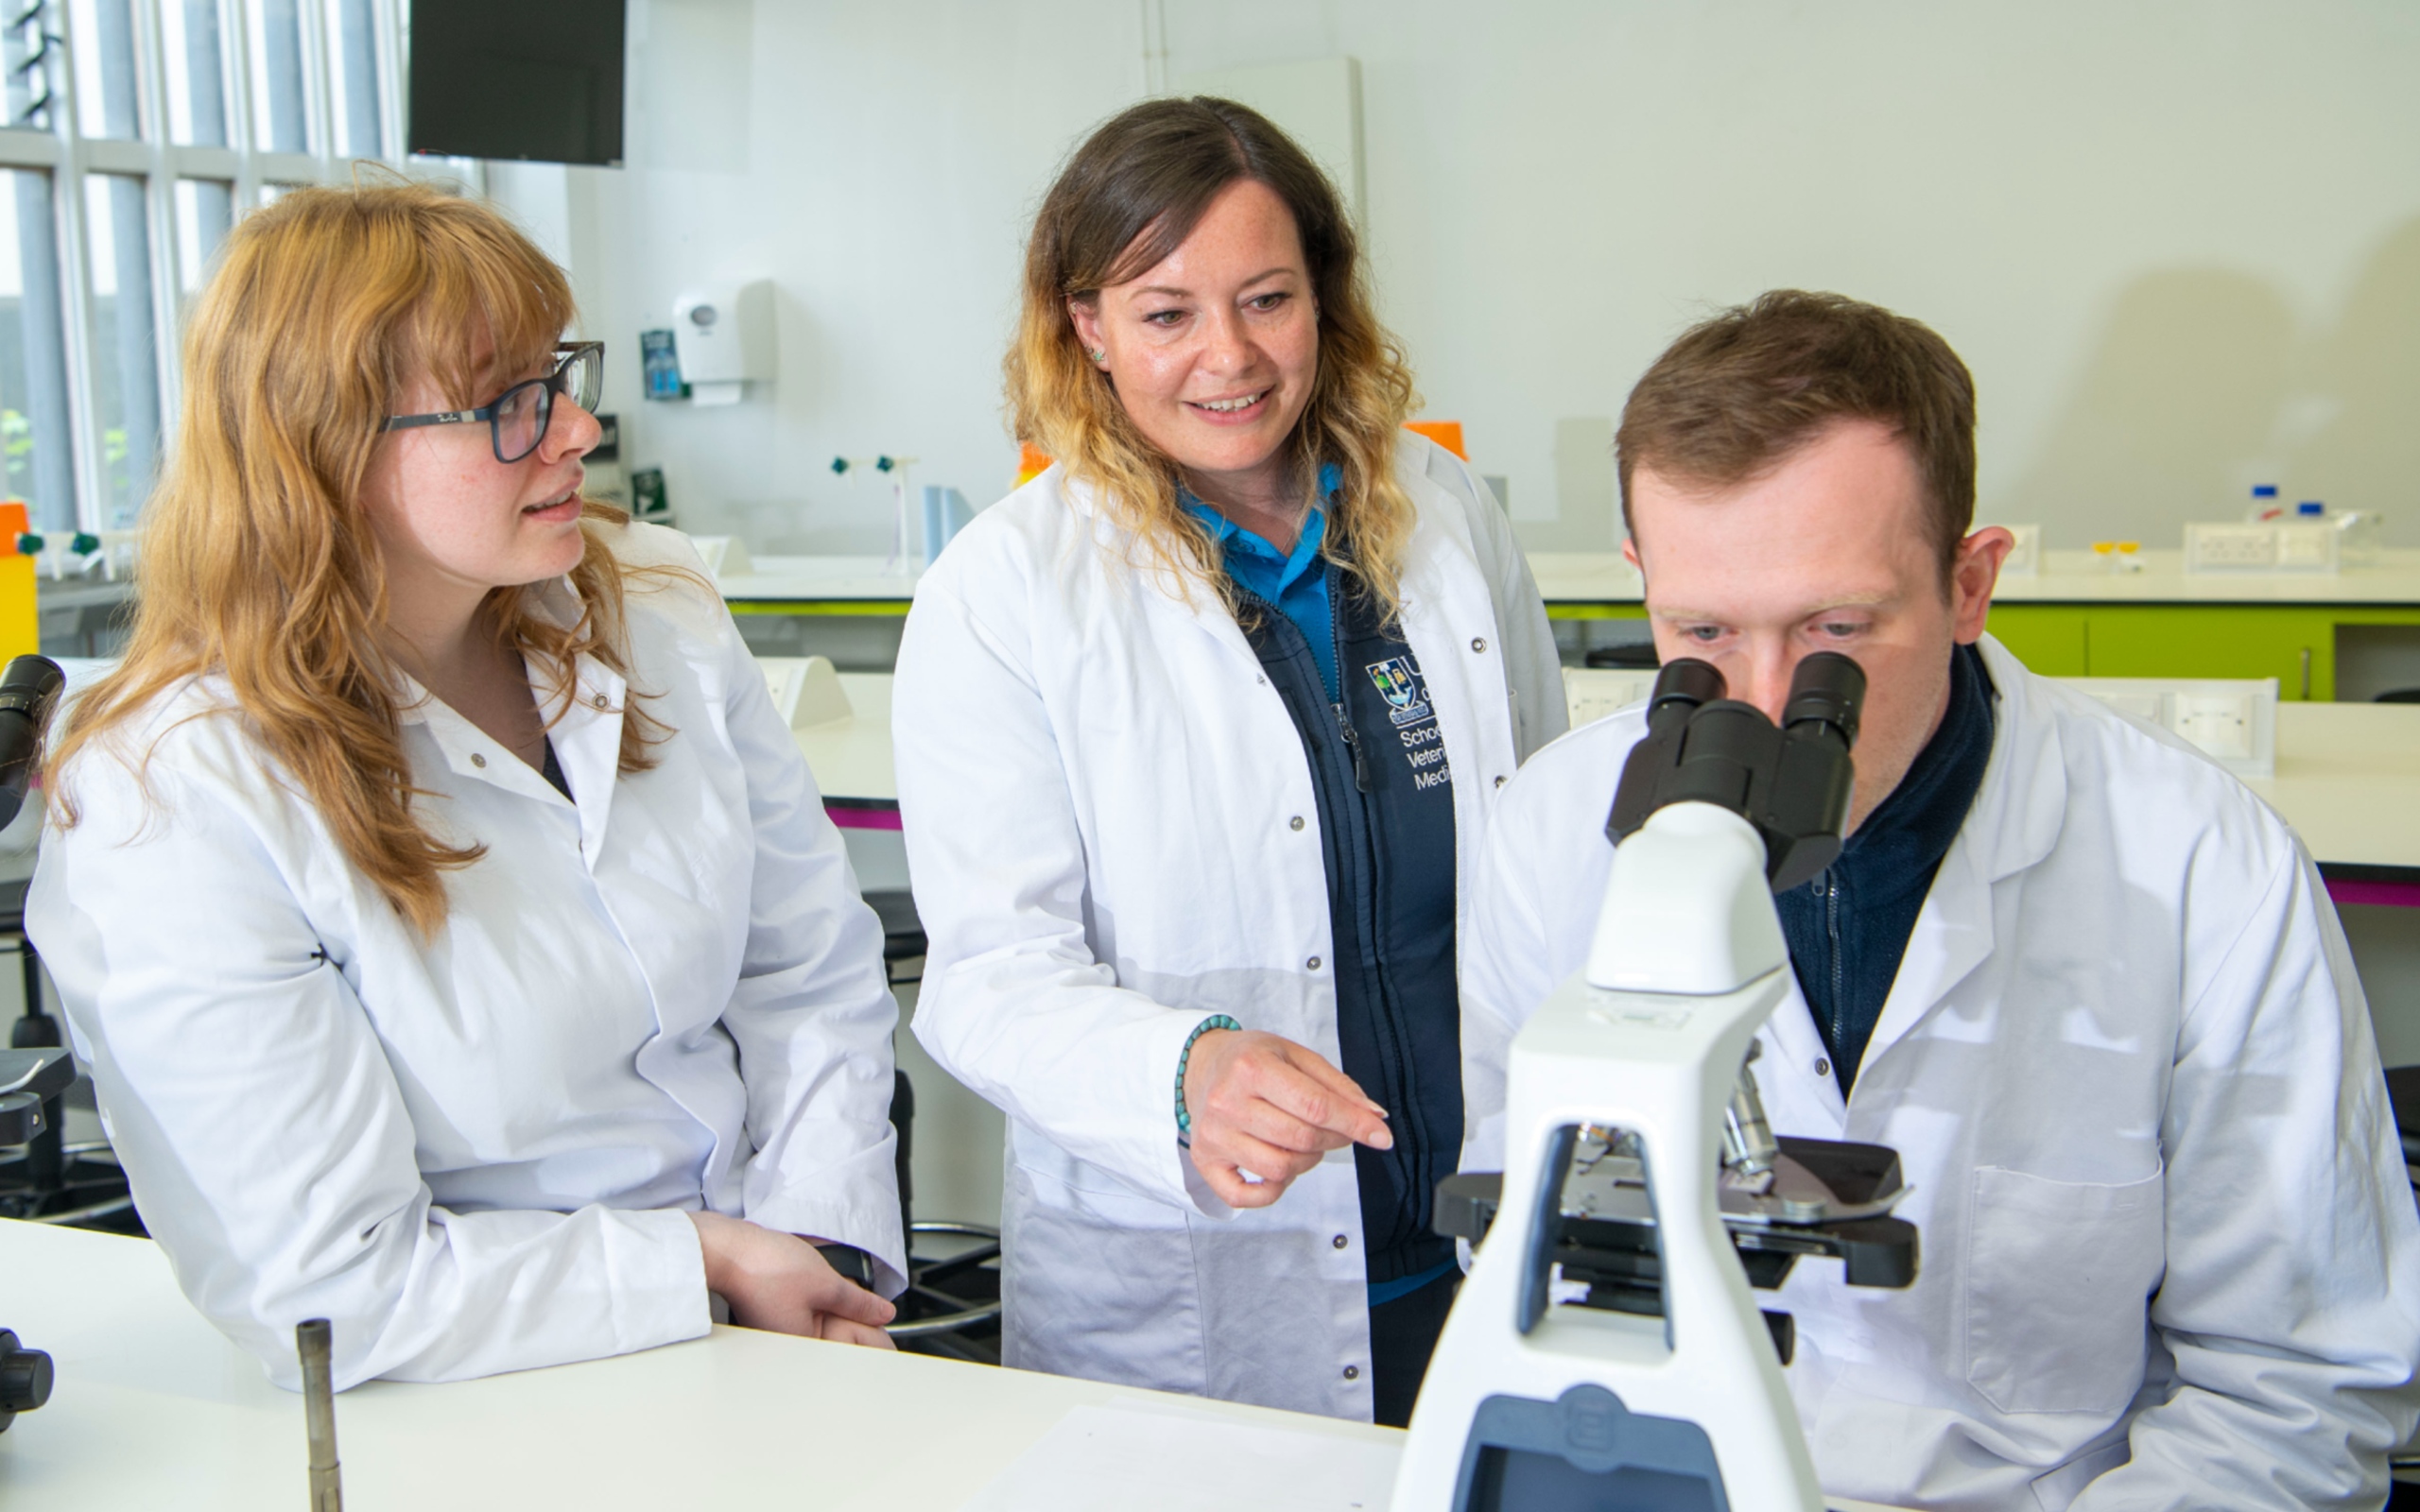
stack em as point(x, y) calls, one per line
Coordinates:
point(2058, 1279)
point(1100, 1282)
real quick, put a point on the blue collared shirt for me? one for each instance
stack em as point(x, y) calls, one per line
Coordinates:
point(1294, 583)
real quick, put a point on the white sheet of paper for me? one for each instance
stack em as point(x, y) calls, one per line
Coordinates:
point(1115, 1459)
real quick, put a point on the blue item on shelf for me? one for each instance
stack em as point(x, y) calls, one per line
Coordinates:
point(945, 514)
point(660, 365)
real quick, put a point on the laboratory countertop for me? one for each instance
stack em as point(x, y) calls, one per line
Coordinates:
point(835, 579)
point(154, 1408)
point(2349, 781)
point(1603, 578)
point(2066, 578)
point(2348, 774)
point(851, 758)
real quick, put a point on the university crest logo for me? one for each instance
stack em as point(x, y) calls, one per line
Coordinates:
point(1398, 679)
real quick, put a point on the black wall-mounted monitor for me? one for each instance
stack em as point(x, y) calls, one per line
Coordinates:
point(534, 79)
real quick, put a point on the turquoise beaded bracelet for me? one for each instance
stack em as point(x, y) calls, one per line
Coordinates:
point(1183, 1119)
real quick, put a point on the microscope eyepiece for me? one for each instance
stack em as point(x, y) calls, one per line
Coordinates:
point(29, 689)
point(1682, 688)
point(1827, 689)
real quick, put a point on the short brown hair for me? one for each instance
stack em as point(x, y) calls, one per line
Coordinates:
point(1739, 392)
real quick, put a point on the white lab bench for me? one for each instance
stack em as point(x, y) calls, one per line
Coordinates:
point(2349, 781)
point(2322, 635)
point(2349, 777)
point(835, 581)
point(2066, 578)
point(154, 1408)
point(1604, 577)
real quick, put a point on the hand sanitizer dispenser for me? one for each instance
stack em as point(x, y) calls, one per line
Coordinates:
point(724, 336)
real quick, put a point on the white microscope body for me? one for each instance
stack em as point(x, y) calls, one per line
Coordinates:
point(1633, 1133)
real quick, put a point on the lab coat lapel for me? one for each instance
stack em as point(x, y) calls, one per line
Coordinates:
point(1160, 592)
point(1443, 612)
point(1794, 1074)
point(1952, 936)
point(588, 746)
point(2013, 825)
point(471, 753)
point(584, 726)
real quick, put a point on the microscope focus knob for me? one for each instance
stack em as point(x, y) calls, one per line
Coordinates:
point(24, 1378)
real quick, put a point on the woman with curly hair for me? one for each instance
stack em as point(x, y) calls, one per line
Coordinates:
point(1197, 732)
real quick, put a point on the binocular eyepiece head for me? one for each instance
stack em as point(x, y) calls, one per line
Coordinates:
point(1826, 692)
point(1792, 781)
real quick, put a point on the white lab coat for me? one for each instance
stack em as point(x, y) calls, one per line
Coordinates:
point(472, 1154)
point(2170, 1255)
point(1111, 831)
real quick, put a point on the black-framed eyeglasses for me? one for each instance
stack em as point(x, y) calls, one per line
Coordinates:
point(517, 420)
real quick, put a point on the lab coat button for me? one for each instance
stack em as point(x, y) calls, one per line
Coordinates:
point(1352, 1372)
point(478, 760)
point(1823, 1066)
point(1499, 781)
point(1479, 643)
point(601, 700)
point(1294, 823)
point(1341, 1241)
point(1311, 965)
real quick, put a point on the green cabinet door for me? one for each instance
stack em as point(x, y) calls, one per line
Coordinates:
point(2294, 643)
point(2047, 638)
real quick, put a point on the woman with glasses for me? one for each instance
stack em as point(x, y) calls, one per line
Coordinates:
point(453, 932)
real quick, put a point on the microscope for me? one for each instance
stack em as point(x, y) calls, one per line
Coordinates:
point(31, 1079)
point(1607, 1350)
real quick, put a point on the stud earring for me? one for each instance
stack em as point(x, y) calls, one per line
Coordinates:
point(1098, 355)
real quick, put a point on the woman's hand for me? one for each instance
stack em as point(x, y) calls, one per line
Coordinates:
point(1267, 1106)
point(780, 1282)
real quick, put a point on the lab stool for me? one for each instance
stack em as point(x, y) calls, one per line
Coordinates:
point(903, 933)
point(952, 1304)
point(76, 1186)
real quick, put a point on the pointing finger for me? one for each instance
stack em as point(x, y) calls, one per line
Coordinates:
point(1316, 1093)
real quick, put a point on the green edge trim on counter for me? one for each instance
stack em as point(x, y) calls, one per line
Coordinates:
point(869, 608)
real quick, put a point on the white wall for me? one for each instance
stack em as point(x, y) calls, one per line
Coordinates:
point(2179, 242)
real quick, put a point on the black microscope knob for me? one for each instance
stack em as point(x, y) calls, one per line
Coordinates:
point(24, 1378)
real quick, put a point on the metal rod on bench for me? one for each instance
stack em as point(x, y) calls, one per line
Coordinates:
point(319, 1415)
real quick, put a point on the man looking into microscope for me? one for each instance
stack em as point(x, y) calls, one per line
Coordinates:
point(2084, 982)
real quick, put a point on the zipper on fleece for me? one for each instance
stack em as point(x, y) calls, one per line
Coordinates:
point(1344, 716)
point(1832, 931)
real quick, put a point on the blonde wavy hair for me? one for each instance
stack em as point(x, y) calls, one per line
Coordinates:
point(257, 563)
point(1126, 200)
